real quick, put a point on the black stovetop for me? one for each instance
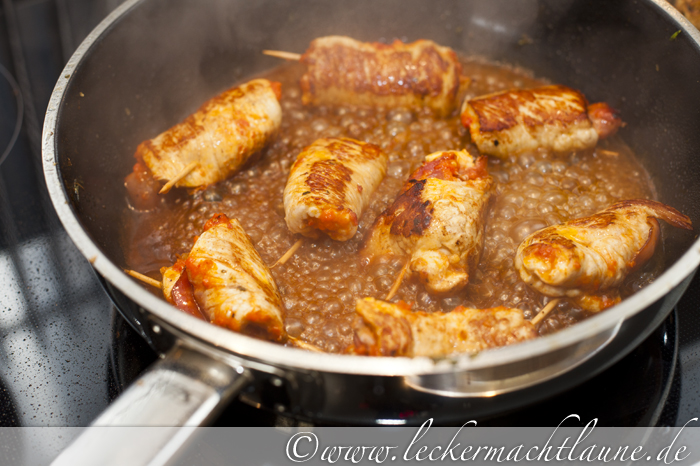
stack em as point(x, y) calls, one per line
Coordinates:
point(65, 352)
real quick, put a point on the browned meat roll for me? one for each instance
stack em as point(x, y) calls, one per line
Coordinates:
point(437, 220)
point(224, 279)
point(330, 185)
point(551, 117)
point(219, 137)
point(388, 329)
point(587, 259)
point(341, 70)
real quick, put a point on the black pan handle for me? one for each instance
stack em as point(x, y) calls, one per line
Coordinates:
point(180, 392)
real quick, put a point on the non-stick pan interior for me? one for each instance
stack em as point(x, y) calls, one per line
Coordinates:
point(163, 58)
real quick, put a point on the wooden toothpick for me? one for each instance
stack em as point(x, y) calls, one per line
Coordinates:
point(185, 171)
point(144, 278)
point(288, 254)
point(283, 55)
point(304, 345)
point(545, 310)
point(397, 284)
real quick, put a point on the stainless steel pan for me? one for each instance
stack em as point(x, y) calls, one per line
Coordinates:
point(151, 62)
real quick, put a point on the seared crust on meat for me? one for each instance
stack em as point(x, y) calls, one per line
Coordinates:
point(341, 70)
point(388, 329)
point(232, 285)
point(410, 214)
point(330, 185)
point(552, 117)
point(220, 136)
point(437, 220)
point(587, 259)
point(605, 119)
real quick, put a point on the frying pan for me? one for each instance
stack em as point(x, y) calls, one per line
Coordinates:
point(152, 62)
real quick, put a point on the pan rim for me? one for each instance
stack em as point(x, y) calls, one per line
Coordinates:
point(247, 347)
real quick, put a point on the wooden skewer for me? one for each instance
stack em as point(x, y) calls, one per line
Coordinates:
point(304, 345)
point(144, 278)
point(185, 171)
point(288, 254)
point(545, 310)
point(397, 284)
point(282, 54)
point(611, 153)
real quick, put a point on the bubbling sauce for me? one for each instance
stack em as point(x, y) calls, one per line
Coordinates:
point(321, 282)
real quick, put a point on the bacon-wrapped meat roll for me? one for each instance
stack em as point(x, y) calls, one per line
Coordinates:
point(437, 221)
point(225, 280)
point(552, 117)
point(388, 329)
point(178, 291)
point(220, 137)
point(341, 70)
point(587, 259)
point(330, 185)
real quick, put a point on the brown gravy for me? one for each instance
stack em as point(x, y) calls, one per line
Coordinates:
point(320, 284)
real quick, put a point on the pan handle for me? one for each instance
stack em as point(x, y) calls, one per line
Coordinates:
point(179, 392)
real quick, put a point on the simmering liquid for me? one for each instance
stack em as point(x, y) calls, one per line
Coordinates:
point(320, 284)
